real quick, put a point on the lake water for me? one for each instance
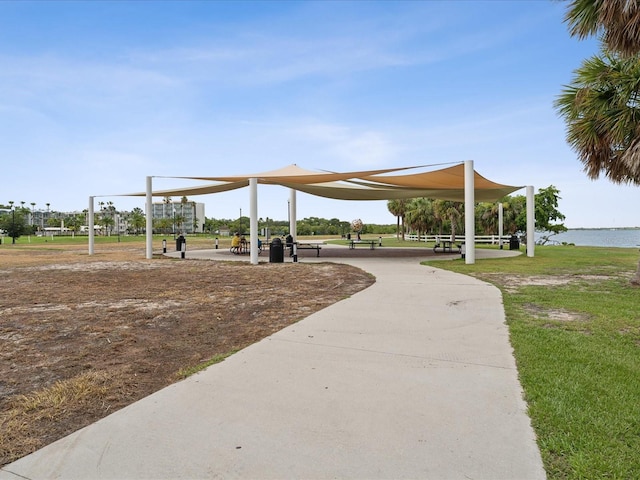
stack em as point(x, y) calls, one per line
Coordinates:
point(600, 237)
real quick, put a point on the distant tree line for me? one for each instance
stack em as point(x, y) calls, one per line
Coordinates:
point(416, 215)
point(306, 226)
point(443, 217)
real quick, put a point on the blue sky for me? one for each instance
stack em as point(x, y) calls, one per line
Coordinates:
point(95, 96)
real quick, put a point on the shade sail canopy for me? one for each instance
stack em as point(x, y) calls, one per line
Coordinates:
point(297, 175)
point(445, 184)
point(197, 190)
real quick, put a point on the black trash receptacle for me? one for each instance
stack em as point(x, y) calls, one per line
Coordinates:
point(179, 241)
point(276, 251)
point(514, 243)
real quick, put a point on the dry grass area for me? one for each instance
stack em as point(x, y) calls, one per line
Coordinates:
point(83, 336)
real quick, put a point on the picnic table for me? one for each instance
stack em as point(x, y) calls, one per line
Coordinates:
point(446, 246)
point(309, 246)
point(371, 243)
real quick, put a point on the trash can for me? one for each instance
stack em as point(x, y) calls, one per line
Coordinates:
point(276, 251)
point(514, 243)
point(179, 241)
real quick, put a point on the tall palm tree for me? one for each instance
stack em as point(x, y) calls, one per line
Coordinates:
point(616, 21)
point(602, 111)
point(398, 208)
point(183, 202)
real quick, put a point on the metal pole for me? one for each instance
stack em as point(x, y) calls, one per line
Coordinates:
point(500, 225)
point(149, 212)
point(293, 220)
point(253, 219)
point(92, 230)
point(531, 221)
point(469, 213)
point(13, 224)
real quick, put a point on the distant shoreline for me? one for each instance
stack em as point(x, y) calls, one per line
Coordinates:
point(598, 237)
point(605, 228)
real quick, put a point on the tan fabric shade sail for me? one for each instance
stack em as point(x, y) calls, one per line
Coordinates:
point(445, 184)
point(198, 190)
point(384, 184)
point(295, 174)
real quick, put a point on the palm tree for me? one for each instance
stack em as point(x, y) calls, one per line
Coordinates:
point(514, 213)
point(183, 202)
point(398, 208)
point(602, 111)
point(446, 210)
point(487, 218)
point(601, 108)
point(618, 23)
point(137, 219)
point(420, 215)
point(166, 201)
point(607, 138)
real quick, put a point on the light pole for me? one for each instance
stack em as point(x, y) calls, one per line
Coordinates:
point(13, 224)
point(43, 232)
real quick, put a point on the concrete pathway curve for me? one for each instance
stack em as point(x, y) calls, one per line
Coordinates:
point(412, 378)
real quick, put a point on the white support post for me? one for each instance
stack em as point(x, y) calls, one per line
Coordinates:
point(500, 225)
point(531, 222)
point(469, 213)
point(92, 232)
point(253, 219)
point(149, 213)
point(292, 215)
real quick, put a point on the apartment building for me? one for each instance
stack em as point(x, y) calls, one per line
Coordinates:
point(187, 217)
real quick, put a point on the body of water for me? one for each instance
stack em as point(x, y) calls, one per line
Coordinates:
point(600, 237)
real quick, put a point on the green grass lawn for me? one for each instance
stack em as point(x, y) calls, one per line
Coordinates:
point(575, 330)
point(200, 240)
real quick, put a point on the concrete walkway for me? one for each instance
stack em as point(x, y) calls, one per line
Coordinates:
point(412, 378)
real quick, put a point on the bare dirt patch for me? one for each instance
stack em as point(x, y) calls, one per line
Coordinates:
point(512, 283)
point(83, 336)
point(556, 314)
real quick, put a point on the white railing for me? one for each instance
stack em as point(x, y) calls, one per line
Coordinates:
point(489, 239)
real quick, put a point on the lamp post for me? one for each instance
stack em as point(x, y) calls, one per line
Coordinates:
point(117, 216)
point(13, 224)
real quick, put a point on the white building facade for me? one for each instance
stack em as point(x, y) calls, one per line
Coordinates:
point(185, 217)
